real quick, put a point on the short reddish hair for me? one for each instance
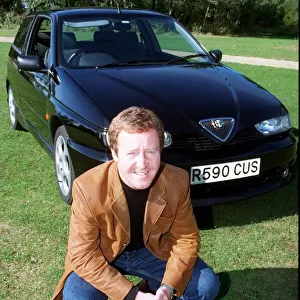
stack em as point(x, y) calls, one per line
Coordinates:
point(135, 119)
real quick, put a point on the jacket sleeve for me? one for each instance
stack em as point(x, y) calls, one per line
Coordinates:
point(85, 253)
point(186, 243)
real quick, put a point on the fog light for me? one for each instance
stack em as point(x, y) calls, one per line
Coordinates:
point(285, 173)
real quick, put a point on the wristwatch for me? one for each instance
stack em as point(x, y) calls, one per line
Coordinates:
point(169, 288)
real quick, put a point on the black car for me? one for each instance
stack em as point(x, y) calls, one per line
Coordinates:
point(70, 71)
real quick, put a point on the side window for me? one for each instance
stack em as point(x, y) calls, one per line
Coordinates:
point(135, 28)
point(41, 38)
point(21, 35)
point(169, 38)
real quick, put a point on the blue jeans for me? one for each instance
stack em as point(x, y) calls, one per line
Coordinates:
point(204, 283)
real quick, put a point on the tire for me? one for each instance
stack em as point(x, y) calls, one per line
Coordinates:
point(63, 165)
point(13, 110)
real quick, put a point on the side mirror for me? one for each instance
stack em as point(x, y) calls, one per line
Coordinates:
point(30, 63)
point(216, 55)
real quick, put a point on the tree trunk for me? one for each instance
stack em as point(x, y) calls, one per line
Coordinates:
point(153, 4)
point(205, 17)
point(171, 8)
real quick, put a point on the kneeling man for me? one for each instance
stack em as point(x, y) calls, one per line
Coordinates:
point(133, 215)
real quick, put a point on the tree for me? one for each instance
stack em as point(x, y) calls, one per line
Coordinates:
point(291, 9)
point(11, 5)
point(216, 16)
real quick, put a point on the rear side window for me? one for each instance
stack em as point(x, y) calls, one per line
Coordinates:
point(21, 35)
point(41, 38)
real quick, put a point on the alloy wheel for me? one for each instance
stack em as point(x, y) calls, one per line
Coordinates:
point(63, 167)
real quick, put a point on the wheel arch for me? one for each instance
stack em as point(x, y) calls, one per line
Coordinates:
point(7, 84)
point(55, 122)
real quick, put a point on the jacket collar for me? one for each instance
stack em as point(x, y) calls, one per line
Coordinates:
point(154, 207)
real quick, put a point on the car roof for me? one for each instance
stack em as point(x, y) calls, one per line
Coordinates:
point(97, 11)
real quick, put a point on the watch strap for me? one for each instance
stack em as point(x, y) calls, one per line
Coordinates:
point(169, 288)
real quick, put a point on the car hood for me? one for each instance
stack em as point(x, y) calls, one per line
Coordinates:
point(181, 95)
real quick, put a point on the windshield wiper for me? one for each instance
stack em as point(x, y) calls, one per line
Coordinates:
point(185, 58)
point(132, 62)
point(114, 64)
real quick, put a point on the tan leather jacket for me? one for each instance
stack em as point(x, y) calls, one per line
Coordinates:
point(100, 229)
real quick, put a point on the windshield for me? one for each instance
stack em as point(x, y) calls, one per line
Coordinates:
point(107, 42)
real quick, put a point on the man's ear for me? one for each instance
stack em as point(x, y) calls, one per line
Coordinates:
point(114, 155)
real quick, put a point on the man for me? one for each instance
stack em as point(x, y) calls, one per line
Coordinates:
point(133, 215)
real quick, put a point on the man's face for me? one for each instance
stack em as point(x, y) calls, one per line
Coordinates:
point(138, 158)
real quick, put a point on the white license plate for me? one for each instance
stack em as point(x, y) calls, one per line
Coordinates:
point(225, 171)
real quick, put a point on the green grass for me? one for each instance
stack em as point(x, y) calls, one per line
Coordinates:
point(286, 49)
point(8, 32)
point(254, 245)
point(276, 48)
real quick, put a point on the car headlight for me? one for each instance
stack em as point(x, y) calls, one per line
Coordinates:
point(104, 138)
point(168, 139)
point(275, 125)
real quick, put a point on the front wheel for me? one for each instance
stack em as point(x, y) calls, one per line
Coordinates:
point(13, 110)
point(63, 165)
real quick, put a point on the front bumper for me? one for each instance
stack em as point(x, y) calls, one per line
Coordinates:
point(276, 157)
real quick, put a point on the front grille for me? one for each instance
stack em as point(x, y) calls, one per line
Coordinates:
point(196, 143)
point(222, 133)
point(247, 135)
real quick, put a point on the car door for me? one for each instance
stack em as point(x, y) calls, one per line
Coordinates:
point(18, 47)
point(34, 86)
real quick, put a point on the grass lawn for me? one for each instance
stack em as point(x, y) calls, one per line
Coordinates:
point(254, 246)
point(8, 32)
point(275, 48)
point(268, 47)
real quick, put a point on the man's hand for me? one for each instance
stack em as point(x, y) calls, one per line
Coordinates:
point(145, 296)
point(162, 294)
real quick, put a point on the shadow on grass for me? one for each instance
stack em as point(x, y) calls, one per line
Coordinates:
point(258, 33)
point(272, 205)
point(275, 283)
point(295, 132)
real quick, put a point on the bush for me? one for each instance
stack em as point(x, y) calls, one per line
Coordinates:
point(10, 20)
